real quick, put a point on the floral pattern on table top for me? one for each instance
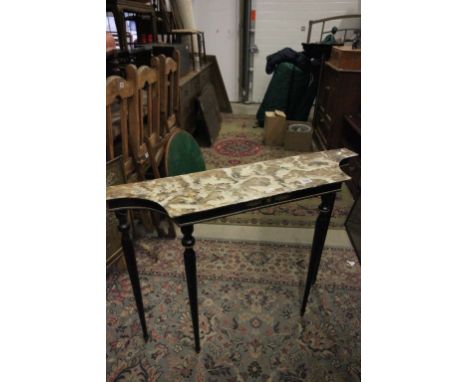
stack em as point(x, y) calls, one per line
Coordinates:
point(206, 190)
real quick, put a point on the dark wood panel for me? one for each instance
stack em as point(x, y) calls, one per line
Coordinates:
point(191, 86)
point(339, 94)
point(217, 80)
point(210, 116)
point(352, 140)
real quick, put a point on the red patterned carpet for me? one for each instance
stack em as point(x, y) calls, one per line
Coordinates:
point(236, 148)
point(249, 298)
point(249, 301)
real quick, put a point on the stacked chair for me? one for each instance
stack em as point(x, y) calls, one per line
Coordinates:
point(142, 128)
point(119, 92)
point(169, 69)
point(144, 113)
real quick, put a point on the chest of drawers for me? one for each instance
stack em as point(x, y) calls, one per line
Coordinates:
point(339, 94)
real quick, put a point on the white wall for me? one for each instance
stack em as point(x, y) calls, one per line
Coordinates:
point(279, 24)
point(219, 19)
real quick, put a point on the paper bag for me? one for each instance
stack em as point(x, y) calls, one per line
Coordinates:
point(275, 128)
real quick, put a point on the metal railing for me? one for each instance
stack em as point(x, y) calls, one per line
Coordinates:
point(323, 21)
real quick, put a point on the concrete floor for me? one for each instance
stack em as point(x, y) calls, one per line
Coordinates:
point(251, 109)
point(244, 108)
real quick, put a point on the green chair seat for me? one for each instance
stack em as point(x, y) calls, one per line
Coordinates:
point(183, 155)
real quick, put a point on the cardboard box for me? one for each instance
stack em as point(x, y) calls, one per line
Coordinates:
point(298, 139)
point(275, 128)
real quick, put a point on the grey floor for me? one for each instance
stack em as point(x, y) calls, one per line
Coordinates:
point(251, 109)
point(335, 237)
point(244, 108)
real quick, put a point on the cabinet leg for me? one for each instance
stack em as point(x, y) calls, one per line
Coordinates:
point(191, 274)
point(320, 234)
point(129, 253)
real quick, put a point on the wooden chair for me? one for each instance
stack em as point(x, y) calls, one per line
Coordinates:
point(182, 154)
point(122, 92)
point(119, 90)
point(145, 132)
point(169, 74)
point(144, 114)
point(160, 133)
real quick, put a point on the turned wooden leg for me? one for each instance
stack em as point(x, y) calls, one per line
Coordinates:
point(191, 274)
point(129, 253)
point(320, 234)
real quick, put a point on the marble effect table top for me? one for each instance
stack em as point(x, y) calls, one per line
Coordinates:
point(206, 190)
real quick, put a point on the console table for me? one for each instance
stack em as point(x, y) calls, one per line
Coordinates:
point(194, 198)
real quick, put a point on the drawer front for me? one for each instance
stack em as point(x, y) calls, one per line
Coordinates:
point(329, 76)
point(328, 92)
point(354, 171)
point(323, 123)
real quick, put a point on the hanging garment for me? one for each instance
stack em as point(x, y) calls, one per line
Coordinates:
point(290, 90)
point(287, 55)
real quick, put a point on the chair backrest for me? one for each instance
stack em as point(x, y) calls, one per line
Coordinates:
point(144, 112)
point(169, 73)
point(182, 154)
point(121, 92)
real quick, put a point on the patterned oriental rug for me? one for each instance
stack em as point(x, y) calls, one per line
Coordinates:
point(249, 301)
point(240, 143)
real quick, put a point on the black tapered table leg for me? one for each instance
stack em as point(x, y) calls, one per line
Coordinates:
point(320, 234)
point(130, 260)
point(191, 274)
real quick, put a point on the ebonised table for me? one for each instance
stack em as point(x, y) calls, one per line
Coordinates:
point(194, 198)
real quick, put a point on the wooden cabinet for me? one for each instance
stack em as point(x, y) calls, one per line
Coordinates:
point(352, 140)
point(191, 86)
point(339, 94)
